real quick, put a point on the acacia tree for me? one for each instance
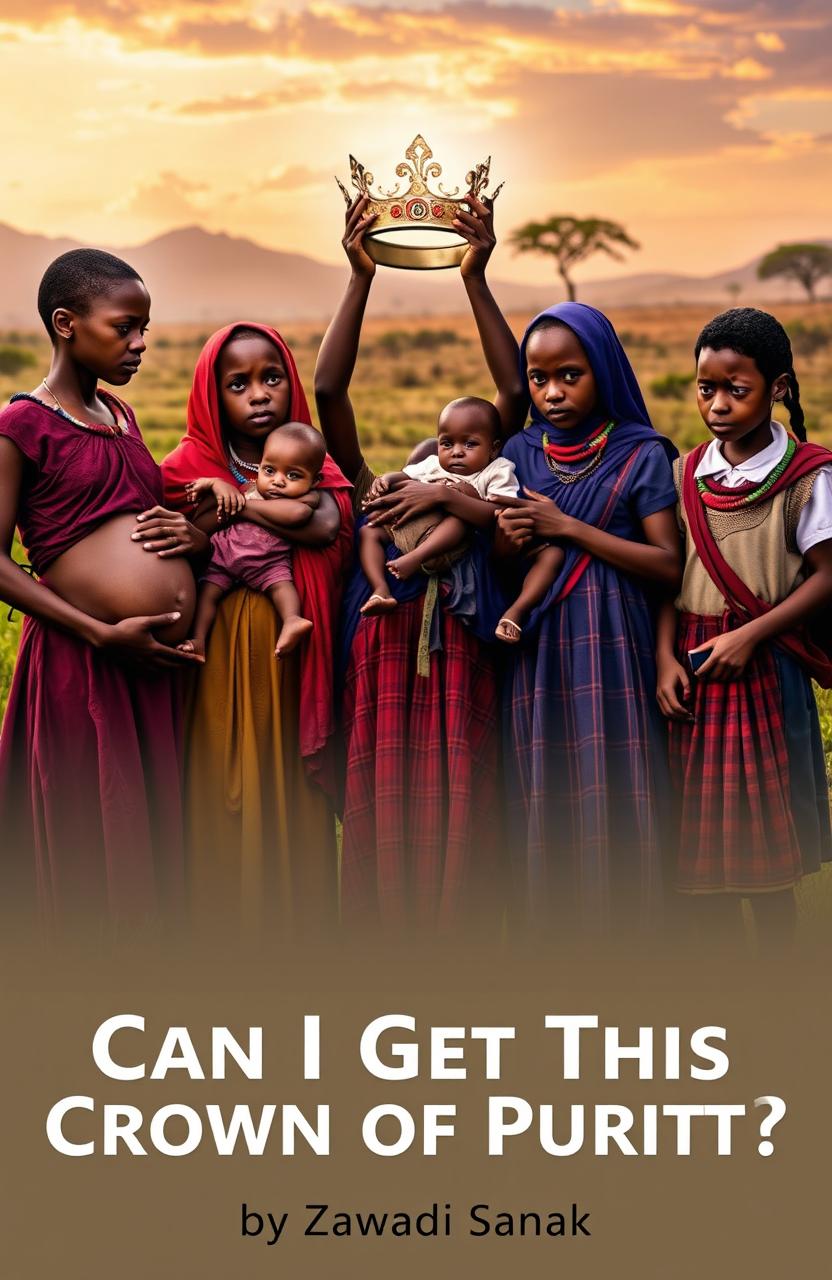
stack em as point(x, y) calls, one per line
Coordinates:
point(805, 263)
point(571, 240)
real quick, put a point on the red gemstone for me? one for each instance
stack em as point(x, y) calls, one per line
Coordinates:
point(437, 210)
point(396, 211)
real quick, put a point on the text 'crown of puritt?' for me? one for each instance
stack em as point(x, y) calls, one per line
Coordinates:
point(416, 205)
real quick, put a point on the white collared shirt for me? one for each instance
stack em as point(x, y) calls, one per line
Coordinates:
point(495, 481)
point(815, 523)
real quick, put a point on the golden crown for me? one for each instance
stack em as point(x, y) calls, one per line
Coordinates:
point(418, 207)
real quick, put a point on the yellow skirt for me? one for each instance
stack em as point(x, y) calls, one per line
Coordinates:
point(261, 848)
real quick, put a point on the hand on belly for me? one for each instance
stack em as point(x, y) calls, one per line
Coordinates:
point(110, 577)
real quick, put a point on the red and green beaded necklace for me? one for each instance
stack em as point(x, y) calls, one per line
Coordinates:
point(718, 497)
point(559, 457)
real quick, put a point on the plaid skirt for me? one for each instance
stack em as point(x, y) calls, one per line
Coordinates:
point(748, 774)
point(421, 820)
point(586, 762)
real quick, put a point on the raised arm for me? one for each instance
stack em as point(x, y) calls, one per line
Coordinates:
point(339, 349)
point(499, 345)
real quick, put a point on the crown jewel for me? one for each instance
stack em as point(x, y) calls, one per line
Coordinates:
point(415, 206)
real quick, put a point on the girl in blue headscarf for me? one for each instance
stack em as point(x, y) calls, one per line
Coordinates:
point(585, 754)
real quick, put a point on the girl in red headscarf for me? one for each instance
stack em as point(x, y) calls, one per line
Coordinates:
point(260, 830)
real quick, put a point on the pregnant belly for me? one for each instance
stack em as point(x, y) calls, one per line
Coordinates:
point(110, 577)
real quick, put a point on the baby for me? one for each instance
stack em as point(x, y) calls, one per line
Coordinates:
point(468, 443)
point(244, 554)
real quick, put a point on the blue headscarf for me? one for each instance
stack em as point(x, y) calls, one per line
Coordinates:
point(619, 400)
point(619, 395)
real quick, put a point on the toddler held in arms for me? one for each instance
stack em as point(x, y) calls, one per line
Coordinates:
point(245, 554)
point(468, 458)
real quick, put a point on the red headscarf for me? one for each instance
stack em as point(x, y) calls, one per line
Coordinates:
point(318, 572)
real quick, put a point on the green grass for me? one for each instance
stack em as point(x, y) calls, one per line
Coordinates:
point(408, 370)
point(9, 636)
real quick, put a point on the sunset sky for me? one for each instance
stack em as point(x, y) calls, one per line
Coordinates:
point(706, 129)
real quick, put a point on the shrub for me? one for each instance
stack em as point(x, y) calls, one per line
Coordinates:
point(433, 339)
point(407, 378)
point(806, 339)
point(395, 341)
point(671, 386)
point(13, 360)
point(630, 338)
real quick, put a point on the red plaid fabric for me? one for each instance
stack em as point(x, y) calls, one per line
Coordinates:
point(731, 774)
point(421, 821)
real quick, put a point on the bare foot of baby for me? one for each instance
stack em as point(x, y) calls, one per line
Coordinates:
point(377, 603)
point(192, 646)
point(291, 634)
point(508, 630)
point(404, 567)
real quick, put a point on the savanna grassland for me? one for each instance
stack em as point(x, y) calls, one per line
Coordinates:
point(408, 369)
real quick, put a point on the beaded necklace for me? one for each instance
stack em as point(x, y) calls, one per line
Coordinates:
point(560, 457)
point(94, 428)
point(238, 467)
point(718, 497)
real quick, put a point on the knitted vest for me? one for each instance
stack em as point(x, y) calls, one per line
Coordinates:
point(759, 543)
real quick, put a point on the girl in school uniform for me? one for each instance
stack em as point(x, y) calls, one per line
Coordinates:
point(755, 509)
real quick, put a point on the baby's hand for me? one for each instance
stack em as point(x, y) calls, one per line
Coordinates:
point(464, 487)
point(195, 490)
point(230, 500)
point(383, 484)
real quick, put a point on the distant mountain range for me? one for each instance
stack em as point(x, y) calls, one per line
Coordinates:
point(200, 276)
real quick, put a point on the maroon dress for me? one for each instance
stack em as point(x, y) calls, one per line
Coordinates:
point(90, 804)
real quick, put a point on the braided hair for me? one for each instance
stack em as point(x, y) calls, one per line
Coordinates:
point(76, 279)
point(760, 336)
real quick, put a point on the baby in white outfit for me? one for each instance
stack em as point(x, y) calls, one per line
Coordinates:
point(467, 458)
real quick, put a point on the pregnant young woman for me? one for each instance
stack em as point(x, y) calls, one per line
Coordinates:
point(90, 800)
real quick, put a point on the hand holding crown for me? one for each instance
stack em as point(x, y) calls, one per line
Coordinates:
point(420, 207)
point(358, 222)
point(476, 225)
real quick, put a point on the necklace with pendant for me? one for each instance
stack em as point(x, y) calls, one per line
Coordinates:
point(97, 428)
point(560, 457)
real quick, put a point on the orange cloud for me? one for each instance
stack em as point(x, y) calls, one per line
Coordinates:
point(657, 35)
point(208, 110)
point(770, 41)
point(166, 199)
point(287, 94)
point(295, 177)
point(748, 69)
